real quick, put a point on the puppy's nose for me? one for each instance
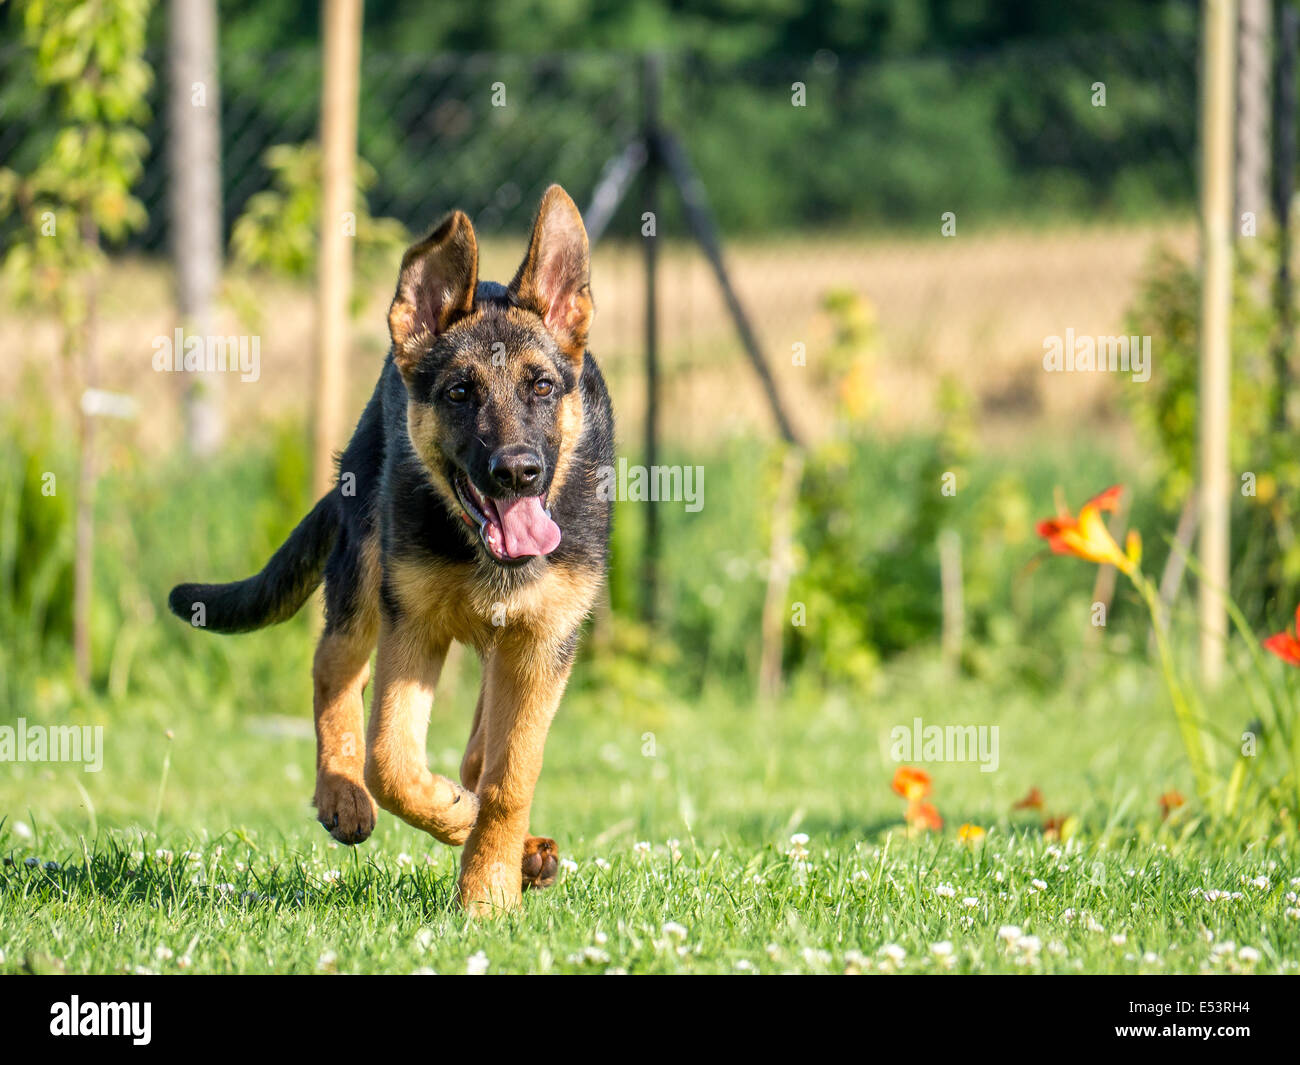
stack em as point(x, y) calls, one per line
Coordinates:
point(515, 469)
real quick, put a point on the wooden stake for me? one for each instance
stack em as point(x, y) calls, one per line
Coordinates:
point(1216, 309)
point(780, 568)
point(954, 601)
point(342, 31)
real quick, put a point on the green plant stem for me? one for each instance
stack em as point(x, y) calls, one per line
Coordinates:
point(1188, 729)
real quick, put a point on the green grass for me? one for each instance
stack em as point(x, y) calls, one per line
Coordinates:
point(659, 740)
point(267, 891)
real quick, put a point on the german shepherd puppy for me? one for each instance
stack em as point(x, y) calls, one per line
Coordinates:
point(467, 507)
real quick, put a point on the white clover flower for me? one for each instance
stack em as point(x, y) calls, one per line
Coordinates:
point(894, 953)
point(942, 949)
point(945, 891)
point(970, 902)
point(673, 930)
point(477, 964)
point(568, 865)
point(1261, 882)
point(22, 830)
point(1119, 939)
point(586, 956)
point(405, 861)
point(1009, 932)
point(1041, 885)
point(1249, 955)
point(641, 847)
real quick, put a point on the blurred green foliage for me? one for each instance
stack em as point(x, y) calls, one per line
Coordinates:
point(1262, 445)
point(867, 569)
point(909, 109)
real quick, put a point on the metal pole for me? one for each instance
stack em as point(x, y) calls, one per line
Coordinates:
point(1216, 309)
point(1284, 149)
point(651, 82)
point(1254, 34)
point(698, 216)
point(194, 193)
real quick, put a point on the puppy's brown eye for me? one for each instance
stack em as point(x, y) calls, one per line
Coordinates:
point(543, 387)
point(457, 393)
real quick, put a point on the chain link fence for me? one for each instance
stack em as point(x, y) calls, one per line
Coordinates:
point(833, 179)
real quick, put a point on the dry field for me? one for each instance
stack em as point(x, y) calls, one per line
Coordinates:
point(976, 306)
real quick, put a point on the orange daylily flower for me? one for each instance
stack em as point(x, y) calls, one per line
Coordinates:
point(923, 815)
point(1169, 802)
point(1285, 645)
point(970, 834)
point(1088, 538)
point(911, 783)
point(1032, 801)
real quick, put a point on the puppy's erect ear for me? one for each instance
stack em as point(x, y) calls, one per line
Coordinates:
point(553, 279)
point(435, 287)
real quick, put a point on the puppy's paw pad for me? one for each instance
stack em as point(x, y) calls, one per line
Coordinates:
point(541, 864)
point(345, 810)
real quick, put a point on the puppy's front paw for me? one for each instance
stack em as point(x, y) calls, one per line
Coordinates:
point(488, 887)
point(344, 807)
point(541, 862)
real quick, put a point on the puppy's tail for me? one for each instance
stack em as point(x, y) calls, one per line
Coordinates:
point(275, 594)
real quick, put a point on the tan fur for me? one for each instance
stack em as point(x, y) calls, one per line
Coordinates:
point(525, 671)
point(397, 773)
point(339, 675)
point(521, 696)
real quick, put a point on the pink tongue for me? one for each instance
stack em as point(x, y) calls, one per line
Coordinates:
point(527, 528)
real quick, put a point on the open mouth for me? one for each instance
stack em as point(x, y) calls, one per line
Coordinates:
point(511, 529)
